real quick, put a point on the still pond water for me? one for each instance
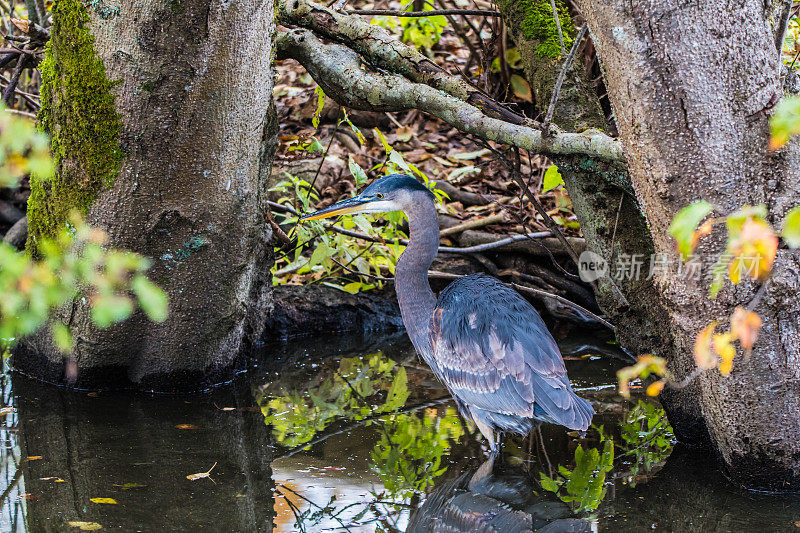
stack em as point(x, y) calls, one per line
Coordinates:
point(355, 435)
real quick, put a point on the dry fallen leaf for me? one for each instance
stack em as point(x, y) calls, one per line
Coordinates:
point(201, 475)
point(22, 25)
point(85, 526)
point(34, 457)
point(404, 133)
point(109, 501)
point(186, 426)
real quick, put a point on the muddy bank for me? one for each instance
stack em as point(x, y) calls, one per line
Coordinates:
point(316, 309)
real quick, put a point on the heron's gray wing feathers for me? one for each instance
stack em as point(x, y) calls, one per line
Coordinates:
point(493, 351)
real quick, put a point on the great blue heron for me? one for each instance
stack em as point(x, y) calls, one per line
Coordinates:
point(481, 338)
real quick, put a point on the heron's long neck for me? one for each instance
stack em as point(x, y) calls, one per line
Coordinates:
point(414, 294)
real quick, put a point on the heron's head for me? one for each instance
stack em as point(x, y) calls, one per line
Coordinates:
point(396, 192)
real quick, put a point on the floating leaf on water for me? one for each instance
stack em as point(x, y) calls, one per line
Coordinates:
point(107, 501)
point(201, 475)
point(128, 486)
point(85, 526)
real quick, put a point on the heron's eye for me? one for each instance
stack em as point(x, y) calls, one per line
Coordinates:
point(379, 195)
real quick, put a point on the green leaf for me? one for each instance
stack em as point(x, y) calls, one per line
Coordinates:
point(320, 104)
point(353, 287)
point(685, 223)
point(62, 337)
point(398, 392)
point(357, 172)
point(552, 179)
point(791, 228)
point(320, 256)
point(548, 483)
point(152, 299)
point(785, 122)
point(107, 310)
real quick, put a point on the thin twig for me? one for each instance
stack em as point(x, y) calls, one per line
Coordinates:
point(558, 25)
point(561, 75)
point(432, 13)
point(443, 249)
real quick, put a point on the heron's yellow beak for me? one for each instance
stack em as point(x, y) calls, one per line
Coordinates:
point(351, 205)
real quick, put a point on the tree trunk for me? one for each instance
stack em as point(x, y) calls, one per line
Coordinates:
point(533, 29)
point(163, 132)
point(691, 85)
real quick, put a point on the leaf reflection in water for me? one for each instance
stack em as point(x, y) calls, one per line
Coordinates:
point(413, 439)
point(648, 440)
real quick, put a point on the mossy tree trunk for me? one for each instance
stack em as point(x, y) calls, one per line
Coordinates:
point(692, 85)
point(533, 28)
point(163, 131)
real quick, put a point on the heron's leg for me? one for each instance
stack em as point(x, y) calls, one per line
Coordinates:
point(488, 432)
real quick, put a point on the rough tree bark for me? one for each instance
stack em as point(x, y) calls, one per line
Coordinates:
point(692, 85)
point(163, 132)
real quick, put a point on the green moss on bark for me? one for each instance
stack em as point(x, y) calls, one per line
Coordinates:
point(78, 113)
point(538, 24)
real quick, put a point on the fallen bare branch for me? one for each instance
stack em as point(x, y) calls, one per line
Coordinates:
point(383, 50)
point(493, 243)
point(337, 69)
point(472, 224)
point(432, 13)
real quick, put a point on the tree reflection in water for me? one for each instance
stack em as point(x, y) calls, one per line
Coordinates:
point(416, 434)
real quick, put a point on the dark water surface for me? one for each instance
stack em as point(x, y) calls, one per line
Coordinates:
point(355, 435)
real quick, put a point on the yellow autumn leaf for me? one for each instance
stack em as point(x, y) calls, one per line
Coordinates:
point(654, 389)
point(744, 326)
point(753, 251)
point(724, 348)
point(703, 353)
point(85, 526)
point(34, 457)
point(645, 365)
point(704, 229)
point(108, 501)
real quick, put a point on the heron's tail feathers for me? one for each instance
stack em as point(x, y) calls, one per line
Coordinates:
point(580, 416)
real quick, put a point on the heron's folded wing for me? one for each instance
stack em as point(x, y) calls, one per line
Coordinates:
point(494, 352)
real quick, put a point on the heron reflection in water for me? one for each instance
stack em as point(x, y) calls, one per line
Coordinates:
point(483, 340)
